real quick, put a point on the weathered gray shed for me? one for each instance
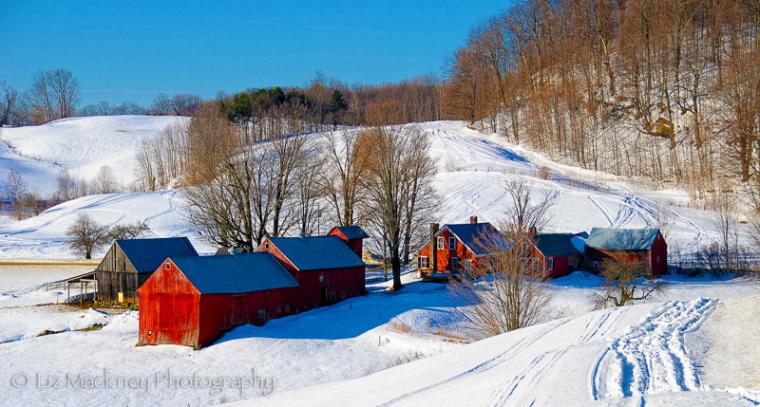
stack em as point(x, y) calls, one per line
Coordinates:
point(130, 262)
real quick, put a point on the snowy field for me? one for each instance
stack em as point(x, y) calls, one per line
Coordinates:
point(694, 345)
point(473, 169)
point(365, 351)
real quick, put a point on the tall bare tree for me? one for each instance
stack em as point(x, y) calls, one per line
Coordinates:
point(8, 98)
point(17, 189)
point(346, 165)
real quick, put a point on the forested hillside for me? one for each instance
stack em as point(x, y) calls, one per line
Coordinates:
point(668, 90)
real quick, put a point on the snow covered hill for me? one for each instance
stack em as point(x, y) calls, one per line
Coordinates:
point(636, 355)
point(81, 145)
point(473, 169)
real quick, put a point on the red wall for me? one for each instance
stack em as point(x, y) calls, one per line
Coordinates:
point(169, 308)
point(561, 264)
point(355, 244)
point(442, 265)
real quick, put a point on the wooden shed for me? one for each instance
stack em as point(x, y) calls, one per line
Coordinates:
point(558, 253)
point(129, 263)
point(326, 268)
point(193, 300)
point(631, 245)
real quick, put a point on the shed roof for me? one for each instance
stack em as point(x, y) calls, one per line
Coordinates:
point(351, 232)
point(147, 254)
point(480, 238)
point(317, 252)
point(622, 239)
point(558, 244)
point(243, 273)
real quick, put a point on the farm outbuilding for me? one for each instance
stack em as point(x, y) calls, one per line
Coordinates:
point(456, 248)
point(558, 253)
point(326, 267)
point(630, 245)
point(192, 300)
point(129, 263)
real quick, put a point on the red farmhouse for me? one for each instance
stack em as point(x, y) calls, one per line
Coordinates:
point(631, 245)
point(557, 253)
point(455, 248)
point(191, 300)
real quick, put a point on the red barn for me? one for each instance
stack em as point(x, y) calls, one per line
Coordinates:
point(192, 300)
point(326, 267)
point(631, 245)
point(456, 248)
point(353, 236)
point(557, 253)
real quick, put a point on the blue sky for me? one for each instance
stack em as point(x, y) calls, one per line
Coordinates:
point(133, 50)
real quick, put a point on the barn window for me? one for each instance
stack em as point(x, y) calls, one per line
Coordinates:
point(266, 245)
point(423, 262)
point(277, 309)
point(287, 307)
point(454, 264)
point(441, 243)
point(551, 263)
point(262, 313)
point(452, 243)
point(321, 278)
point(168, 266)
point(468, 266)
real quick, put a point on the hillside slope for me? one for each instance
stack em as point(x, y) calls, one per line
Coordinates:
point(626, 356)
point(81, 145)
point(473, 169)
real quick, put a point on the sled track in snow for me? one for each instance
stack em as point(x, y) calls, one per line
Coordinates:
point(651, 357)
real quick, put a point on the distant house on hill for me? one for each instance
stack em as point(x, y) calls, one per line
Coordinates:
point(630, 245)
point(456, 248)
point(129, 263)
point(192, 300)
point(558, 253)
point(327, 268)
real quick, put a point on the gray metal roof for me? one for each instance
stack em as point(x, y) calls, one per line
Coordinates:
point(238, 274)
point(622, 239)
point(558, 244)
point(317, 252)
point(147, 254)
point(352, 232)
point(480, 238)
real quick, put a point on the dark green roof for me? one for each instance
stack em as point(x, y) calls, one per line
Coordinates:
point(147, 254)
point(558, 244)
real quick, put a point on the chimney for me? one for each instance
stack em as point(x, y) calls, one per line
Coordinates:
point(433, 249)
point(473, 219)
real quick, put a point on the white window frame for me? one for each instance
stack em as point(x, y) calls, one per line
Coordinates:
point(321, 278)
point(452, 262)
point(468, 266)
point(420, 260)
point(550, 263)
point(440, 243)
point(452, 243)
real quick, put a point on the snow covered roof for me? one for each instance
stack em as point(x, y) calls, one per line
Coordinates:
point(558, 244)
point(622, 239)
point(478, 237)
point(243, 273)
point(147, 254)
point(317, 252)
point(351, 232)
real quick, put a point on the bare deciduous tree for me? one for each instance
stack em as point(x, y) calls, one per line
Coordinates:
point(390, 184)
point(505, 290)
point(527, 212)
point(17, 189)
point(345, 168)
point(8, 98)
point(54, 94)
point(86, 236)
point(105, 182)
point(625, 281)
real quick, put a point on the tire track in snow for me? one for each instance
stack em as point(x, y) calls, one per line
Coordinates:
point(651, 357)
point(497, 360)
